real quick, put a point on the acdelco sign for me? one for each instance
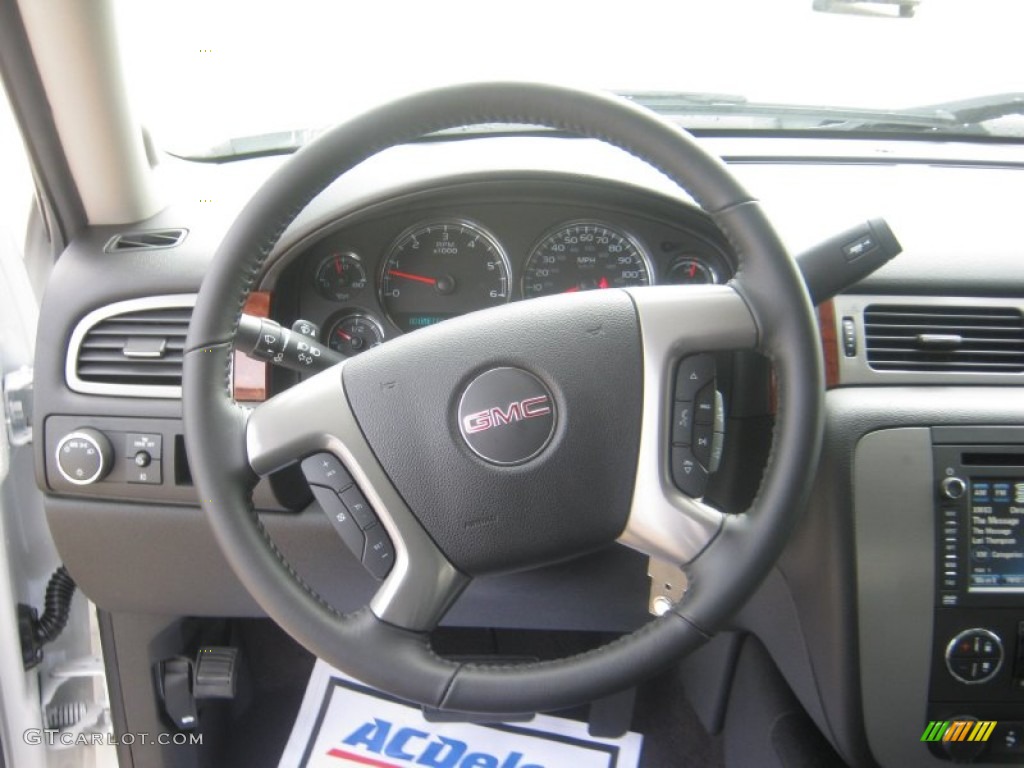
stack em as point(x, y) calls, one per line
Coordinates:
point(506, 416)
point(379, 743)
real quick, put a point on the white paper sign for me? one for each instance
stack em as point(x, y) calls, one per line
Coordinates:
point(344, 723)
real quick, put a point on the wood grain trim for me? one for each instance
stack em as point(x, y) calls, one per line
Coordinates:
point(249, 377)
point(829, 342)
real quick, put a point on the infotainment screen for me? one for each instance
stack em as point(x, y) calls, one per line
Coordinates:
point(997, 535)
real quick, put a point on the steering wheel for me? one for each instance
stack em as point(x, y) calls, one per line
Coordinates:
point(491, 442)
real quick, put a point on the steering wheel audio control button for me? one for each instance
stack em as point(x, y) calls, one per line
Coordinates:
point(687, 473)
point(359, 507)
point(704, 405)
point(702, 441)
point(379, 554)
point(341, 519)
point(682, 423)
point(324, 469)
point(692, 374)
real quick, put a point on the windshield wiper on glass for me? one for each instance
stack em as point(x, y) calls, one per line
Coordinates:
point(255, 145)
point(982, 109)
point(726, 112)
point(287, 142)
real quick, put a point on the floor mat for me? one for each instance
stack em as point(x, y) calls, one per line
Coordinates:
point(344, 723)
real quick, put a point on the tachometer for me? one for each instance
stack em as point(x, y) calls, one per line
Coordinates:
point(583, 255)
point(442, 269)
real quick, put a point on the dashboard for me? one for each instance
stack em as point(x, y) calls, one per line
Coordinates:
point(857, 615)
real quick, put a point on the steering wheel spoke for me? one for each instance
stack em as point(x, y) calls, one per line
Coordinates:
point(679, 322)
point(313, 421)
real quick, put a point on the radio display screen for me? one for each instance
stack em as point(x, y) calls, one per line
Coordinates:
point(996, 535)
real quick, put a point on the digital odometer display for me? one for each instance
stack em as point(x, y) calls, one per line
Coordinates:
point(582, 256)
point(997, 534)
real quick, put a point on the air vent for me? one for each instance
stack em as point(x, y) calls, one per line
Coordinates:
point(132, 348)
point(138, 241)
point(948, 339)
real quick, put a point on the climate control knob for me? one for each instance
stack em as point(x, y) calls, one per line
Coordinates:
point(84, 456)
point(974, 656)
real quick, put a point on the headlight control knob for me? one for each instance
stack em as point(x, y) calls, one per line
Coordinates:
point(84, 456)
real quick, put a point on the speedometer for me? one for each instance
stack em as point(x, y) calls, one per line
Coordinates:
point(583, 255)
point(442, 269)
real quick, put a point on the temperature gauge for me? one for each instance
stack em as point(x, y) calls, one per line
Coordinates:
point(352, 334)
point(687, 270)
point(340, 276)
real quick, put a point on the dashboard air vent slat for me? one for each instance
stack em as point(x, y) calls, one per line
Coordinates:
point(133, 351)
point(137, 241)
point(955, 339)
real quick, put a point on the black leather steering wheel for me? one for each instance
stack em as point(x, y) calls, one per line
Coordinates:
point(559, 474)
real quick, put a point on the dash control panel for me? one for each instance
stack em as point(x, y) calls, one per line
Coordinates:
point(977, 668)
point(698, 425)
point(350, 513)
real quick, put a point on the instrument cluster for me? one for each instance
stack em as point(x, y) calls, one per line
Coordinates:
point(369, 281)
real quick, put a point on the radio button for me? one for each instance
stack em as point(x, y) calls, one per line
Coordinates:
point(953, 488)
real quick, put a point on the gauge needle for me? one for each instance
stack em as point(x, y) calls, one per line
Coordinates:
point(343, 335)
point(571, 290)
point(417, 278)
point(337, 264)
point(603, 282)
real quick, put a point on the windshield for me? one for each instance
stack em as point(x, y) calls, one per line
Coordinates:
point(204, 73)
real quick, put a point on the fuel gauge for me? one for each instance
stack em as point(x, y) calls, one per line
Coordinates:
point(354, 333)
point(687, 270)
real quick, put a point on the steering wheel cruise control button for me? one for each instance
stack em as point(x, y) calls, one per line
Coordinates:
point(359, 507)
point(692, 374)
point(341, 519)
point(323, 469)
point(350, 513)
point(379, 553)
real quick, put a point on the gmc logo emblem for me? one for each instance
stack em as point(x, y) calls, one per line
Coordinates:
point(530, 408)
